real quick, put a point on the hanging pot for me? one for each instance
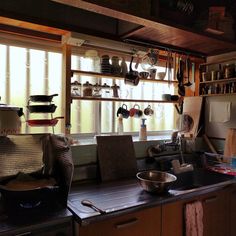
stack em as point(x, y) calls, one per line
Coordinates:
point(132, 77)
point(42, 98)
point(42, 108)
point(44, 122)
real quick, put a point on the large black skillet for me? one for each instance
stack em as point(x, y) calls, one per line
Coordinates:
point(42, 98)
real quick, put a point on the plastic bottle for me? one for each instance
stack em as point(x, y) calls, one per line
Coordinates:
point(143, 131)
point(120, 127)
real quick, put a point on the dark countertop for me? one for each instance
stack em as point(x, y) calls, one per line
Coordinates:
point(33, 219)
point(120, 197)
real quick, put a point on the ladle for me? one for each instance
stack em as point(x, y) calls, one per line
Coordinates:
point(88, 203)
point(188, 64)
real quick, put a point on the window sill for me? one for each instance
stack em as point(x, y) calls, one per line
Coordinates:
point(82, 141)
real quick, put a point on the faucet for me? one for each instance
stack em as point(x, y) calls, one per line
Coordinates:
point(183, 167)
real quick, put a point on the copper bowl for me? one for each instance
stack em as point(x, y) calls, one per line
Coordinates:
point(154, 181)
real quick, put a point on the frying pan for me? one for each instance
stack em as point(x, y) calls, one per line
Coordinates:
point(42, 108)
point(42, 98)
point(44, 122)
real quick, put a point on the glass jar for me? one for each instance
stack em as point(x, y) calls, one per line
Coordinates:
point(229, 71)
point(115, 67)
point(106, 91)
point(87, 89)
point(115, 89)
point(97, 90)
point(76, 89)
point(105, 64)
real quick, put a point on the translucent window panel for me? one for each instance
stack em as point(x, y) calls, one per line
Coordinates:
point(17, 76)
point(107, 117)
point(3, 73)
point(83, 117)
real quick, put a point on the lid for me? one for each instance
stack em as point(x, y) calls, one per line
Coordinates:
point(4, 107)
point(87, 84)
point(105, 85)
point(76, 83)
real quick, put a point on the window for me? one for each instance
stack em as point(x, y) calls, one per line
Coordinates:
point(26, 71)
point(100, 116)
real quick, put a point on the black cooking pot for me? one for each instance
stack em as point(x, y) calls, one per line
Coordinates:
point(42, 108)
point(42, 98)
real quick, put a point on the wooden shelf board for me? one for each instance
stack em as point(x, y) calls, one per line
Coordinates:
point(219, 81)
point(111, 76)
point(120, 100)
point(218, 62)
point(219, 94)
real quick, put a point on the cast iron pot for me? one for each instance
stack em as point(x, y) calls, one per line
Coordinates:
point(42, 108)
point(42, 98)
point(17, 201)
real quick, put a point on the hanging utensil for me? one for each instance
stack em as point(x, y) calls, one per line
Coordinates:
point(193, 77)
point(132, 77)
point(180, 78)
point(188, 65)
point(150, 59)
point(169, 67)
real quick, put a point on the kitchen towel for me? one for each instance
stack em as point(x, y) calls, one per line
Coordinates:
point(194, 219)
point(219, 111)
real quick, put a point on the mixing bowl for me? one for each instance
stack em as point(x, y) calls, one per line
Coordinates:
point(155, 181)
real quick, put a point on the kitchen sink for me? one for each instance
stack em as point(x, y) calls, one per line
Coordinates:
point(198, 178)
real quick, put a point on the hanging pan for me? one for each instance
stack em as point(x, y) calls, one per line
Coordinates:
point(42, 98)
point(44, 122)
point(42, 108)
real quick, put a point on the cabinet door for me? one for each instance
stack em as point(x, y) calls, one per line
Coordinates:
point(232, 211)
point(146, 222)
point(215, 214)
point(172, 219)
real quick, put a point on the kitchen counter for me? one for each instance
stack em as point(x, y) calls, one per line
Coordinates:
point(126, 196)
point(54, 219)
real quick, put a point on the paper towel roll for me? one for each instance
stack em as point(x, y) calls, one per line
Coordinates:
point(230, 143)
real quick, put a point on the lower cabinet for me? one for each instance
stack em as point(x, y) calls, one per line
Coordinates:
point(219, 214)
point(142, 223)
point(232, 211)
point(215, 215)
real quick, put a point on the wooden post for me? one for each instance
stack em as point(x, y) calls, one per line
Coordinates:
point(66, 90)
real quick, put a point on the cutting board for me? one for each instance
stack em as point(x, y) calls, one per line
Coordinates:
point(116, 157)
point(230, 147)
point(192, 107)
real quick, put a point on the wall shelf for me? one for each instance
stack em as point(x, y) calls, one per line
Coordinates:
point(111, 76)
point(120, 100)
point(219, 81)
point(217, 94)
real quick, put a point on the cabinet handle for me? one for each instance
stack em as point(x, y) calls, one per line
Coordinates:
point(210, 199)
point(126, 223)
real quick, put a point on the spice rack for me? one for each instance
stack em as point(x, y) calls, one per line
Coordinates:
point(218, 78)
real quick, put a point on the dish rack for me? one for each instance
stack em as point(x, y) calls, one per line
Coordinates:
point(43, 105)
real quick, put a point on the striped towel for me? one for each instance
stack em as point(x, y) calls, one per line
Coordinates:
point(194, 219)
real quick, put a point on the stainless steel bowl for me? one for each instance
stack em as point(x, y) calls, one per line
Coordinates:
point(155, 181)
